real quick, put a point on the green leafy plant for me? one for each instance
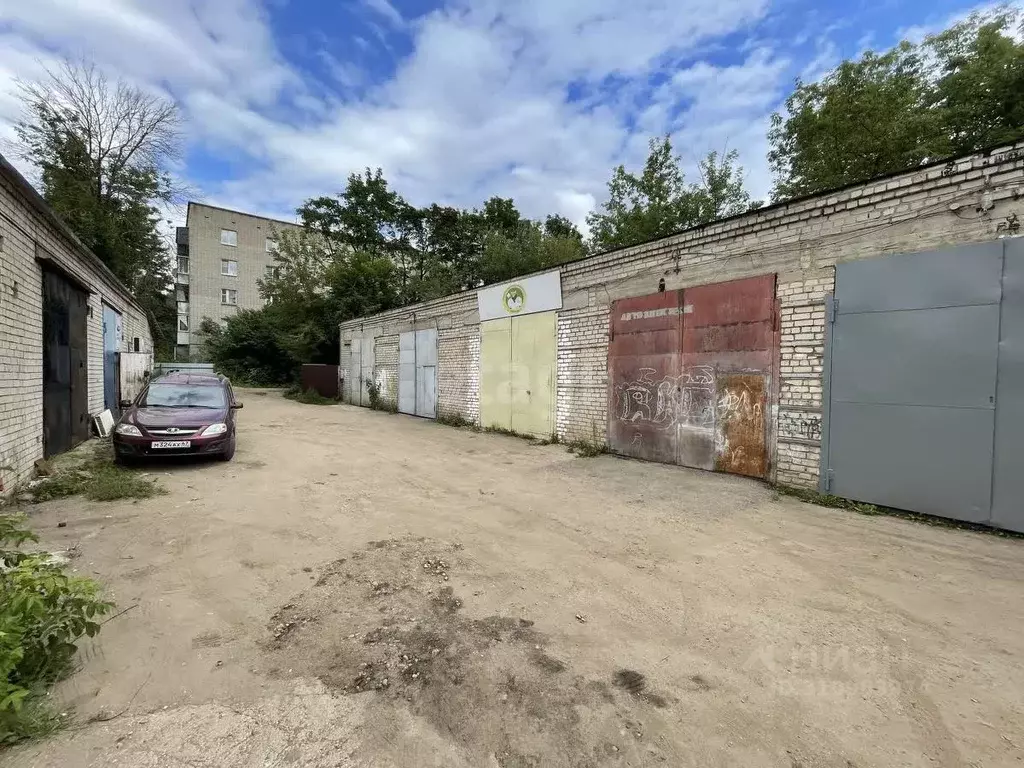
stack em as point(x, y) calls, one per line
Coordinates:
point(43, 614)
point(377, 402)
point(98, 479)
point(454, 419)
point(585, 449)
point(308, 396)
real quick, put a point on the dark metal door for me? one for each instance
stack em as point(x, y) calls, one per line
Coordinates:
point(65, 394)
point(912, 381)
point(731, 329)
point(644, 369)
point(692, 376)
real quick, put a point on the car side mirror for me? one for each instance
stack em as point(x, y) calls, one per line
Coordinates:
point(237, 406)
point(125, 403)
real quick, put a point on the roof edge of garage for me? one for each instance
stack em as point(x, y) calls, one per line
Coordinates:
point(751, 214)
point(43, 209)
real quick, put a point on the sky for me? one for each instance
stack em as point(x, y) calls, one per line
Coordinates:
point(457, 100)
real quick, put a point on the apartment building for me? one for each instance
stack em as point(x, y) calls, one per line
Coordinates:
point(222, 255)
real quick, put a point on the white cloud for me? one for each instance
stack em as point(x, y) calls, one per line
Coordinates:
point(387, 11)
point(478, 108)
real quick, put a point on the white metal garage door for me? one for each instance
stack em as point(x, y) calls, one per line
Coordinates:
point(417, 373)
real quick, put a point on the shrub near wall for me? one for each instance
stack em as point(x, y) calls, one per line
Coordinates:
point(43, 613)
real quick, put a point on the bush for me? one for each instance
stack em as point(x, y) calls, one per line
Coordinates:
point(308, 396)
point(250, 348)
point(43, 614)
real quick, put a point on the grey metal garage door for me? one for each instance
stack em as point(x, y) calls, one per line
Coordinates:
point(417, 373)
point(912, 378)
point(361, 362)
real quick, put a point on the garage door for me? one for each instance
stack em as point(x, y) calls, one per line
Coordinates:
point(417, 373)
point(912, 381)
point(517, 373)
point(692, 376)
point(361, 362)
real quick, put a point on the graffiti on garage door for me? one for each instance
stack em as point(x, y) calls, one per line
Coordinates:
point(692, 375)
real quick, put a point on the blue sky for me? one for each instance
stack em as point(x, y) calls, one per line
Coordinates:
point(457, 101)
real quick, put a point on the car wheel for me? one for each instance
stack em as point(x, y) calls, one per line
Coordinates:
point(229, 453)
point(124, 461)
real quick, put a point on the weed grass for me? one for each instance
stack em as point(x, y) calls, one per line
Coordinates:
point(308, 396)
point(97, 478)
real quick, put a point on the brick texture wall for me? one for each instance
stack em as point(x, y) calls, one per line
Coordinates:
point(969, 200)
point(23, 230)
point(385, 369)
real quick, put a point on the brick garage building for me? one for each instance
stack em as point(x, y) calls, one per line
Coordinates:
point(54, 297)
point(796, 245)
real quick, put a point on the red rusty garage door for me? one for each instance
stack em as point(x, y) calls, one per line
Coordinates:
point(693, 376)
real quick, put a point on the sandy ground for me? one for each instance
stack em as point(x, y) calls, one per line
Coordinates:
point(362, 589)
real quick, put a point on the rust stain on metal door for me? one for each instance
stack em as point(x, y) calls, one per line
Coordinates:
point(643, 363)
point(692, 375)
point(741, 424)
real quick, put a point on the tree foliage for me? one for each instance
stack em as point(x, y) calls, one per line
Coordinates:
point(658, 201)
point(103, 150)
point(367, 250)
point(958, 91)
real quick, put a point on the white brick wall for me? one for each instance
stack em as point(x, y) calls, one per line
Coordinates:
point(800, 242)
point(21, 321)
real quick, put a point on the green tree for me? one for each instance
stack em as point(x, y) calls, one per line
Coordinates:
point(529, 249)
point(103, 150)
point(658, 201)
point(865, 118)
point(980, 88)
point(370, 217)
point(251, 348)
point(956, 92)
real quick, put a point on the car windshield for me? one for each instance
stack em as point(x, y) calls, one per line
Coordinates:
point(183, 396)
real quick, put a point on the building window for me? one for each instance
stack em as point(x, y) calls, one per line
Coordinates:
point(229, 268)
point(182, 266)
point(271, 245)
point(180, 295)
point(183, 323)
point(228, 237)
point(273, 272)
point(136, 344)
point(228, 296)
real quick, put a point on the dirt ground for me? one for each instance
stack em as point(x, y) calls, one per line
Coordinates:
point(363, 589)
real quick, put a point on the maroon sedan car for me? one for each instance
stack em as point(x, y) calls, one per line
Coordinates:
point(178, 414)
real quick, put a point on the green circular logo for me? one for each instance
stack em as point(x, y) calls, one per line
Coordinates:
point(514, 299)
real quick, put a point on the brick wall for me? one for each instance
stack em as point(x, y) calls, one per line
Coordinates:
point(969, 200)
point(385, 369)
point(22, 230)
point(458, 372)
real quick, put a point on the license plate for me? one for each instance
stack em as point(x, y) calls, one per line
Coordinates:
point(171, 444)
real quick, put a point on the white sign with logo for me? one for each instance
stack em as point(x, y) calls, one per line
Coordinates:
point(539, 293)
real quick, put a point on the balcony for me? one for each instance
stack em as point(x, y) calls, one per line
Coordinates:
point(181, 278)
